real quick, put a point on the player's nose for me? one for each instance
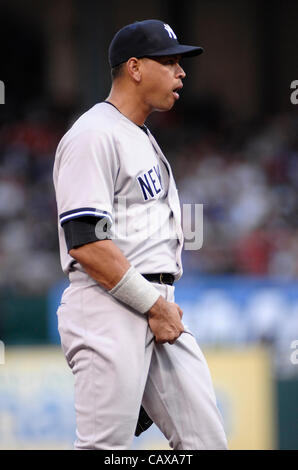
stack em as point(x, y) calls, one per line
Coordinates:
point(180, 72)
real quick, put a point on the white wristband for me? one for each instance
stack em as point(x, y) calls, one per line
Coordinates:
point(134, 290)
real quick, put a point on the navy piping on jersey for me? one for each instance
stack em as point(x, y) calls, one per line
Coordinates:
point(83, 211)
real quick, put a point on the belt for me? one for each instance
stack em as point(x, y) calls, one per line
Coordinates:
point(160, 278)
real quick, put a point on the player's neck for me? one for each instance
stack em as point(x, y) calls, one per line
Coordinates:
point(129, 105)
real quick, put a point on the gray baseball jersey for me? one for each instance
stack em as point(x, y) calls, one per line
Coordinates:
point(106, 166)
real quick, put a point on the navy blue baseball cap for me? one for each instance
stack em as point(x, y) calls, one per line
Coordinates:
point(149, 38)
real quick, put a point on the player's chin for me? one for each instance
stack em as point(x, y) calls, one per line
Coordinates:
point(166, 105)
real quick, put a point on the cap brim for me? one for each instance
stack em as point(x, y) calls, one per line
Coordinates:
point(178, 49)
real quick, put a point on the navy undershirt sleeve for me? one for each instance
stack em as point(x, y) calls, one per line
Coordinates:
point(80, 231)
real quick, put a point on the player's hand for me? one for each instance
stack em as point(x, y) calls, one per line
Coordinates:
point(165, 321)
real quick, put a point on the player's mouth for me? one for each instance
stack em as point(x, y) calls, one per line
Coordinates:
point(176, 92)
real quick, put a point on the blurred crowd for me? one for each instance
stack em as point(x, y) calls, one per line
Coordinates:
point(247, 182)
point(28, 232)
point(248, 185)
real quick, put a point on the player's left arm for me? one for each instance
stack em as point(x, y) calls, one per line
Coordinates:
point(103, 261)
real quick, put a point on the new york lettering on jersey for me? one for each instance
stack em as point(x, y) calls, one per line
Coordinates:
point(150, 183)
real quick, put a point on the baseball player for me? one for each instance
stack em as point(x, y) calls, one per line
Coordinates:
point(120, 237)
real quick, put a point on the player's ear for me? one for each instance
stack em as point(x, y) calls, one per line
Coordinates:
point(133, 68)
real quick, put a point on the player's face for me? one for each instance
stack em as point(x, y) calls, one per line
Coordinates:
point(161, 81)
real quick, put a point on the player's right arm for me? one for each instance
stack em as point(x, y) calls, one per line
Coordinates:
point(105, 263)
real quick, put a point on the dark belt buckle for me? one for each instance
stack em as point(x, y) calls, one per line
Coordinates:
point(161, 278)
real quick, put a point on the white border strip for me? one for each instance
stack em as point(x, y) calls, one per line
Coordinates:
point(76, 214)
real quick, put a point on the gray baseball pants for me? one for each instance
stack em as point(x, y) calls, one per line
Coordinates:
point(117, 366)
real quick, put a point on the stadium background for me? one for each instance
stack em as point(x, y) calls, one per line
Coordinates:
point(232, 142)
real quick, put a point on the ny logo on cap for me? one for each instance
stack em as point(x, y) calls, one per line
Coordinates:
point(170, 31)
